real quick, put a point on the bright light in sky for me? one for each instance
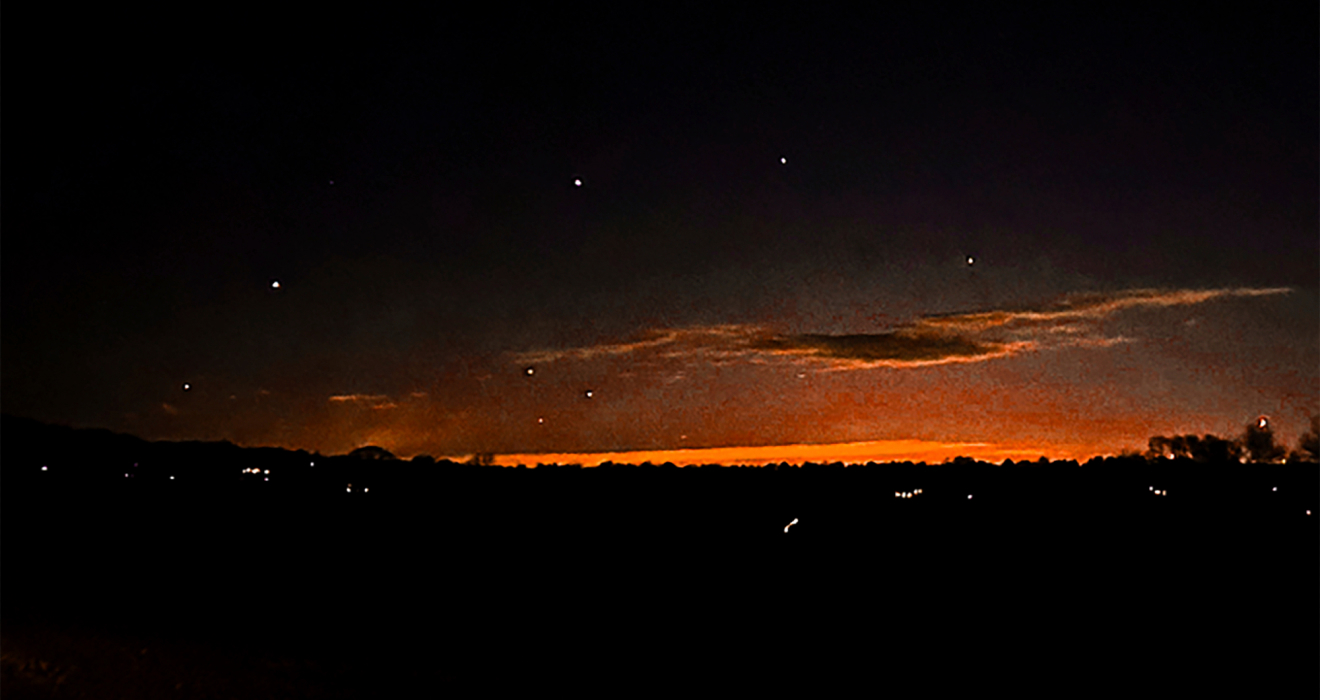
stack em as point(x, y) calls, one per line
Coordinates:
point(577, 183)
point(43, 468)
point(790, 524)
point(784, 161)
point(186, 386)
point(275, 284)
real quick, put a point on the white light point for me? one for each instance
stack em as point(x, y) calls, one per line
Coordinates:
point(350, 490)
point(366, 490)
point(970, 261)
point(530, 371)
point(1262, 423)
point(783, 161)
point(267, 471)
point(577, 183)
point(267, 478)
point(540, 421)
point(313, 464)
point(1276, 488)
point(590, 393)
point(43, 468)
point(275, 284)
point(171, 478)
point(1308, 512)
point(790, 524)
point(187, 386)
point(969, 496)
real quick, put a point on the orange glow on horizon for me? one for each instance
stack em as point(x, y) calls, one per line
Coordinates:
point(846, 452)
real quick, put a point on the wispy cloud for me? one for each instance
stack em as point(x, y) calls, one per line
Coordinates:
point(930, 340)
point(367, 398)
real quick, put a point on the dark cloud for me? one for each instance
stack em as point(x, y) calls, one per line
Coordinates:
point(930, 340)
point(902, 347)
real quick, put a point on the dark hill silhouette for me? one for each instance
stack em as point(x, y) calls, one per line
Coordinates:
point(371, 452)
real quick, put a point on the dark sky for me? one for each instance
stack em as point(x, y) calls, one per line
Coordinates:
point(769, 245)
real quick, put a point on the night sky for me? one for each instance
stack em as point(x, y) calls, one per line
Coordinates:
point(1017, 233)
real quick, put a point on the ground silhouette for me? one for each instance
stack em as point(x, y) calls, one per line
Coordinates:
point(308, 575)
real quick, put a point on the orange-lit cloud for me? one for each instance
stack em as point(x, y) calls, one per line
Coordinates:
point(366, 398)
point(929, 340)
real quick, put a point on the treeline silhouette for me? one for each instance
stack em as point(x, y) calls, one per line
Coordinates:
point(354, 558)
point(35, 452)
point(1256, 444)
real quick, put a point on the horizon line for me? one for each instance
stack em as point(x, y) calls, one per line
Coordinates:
point(858, 452)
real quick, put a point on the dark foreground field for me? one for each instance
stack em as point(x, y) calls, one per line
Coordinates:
point(1051, 581)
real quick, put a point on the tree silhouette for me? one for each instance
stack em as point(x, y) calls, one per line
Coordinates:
point(371, 452)
point(1258, 443)
point(1210, 449)
point(1308, 445)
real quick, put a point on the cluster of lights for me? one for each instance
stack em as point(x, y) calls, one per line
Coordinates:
point(1159, 492)
point(350, 489)
point(909, 494)
point(255, 471)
